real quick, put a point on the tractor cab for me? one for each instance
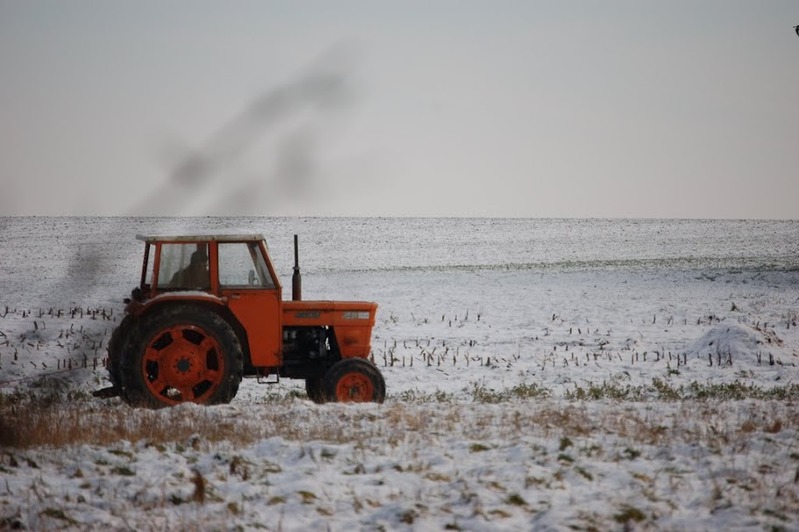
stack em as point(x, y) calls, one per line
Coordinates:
point(210, 264)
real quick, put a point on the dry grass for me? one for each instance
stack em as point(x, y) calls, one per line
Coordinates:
point(32, 424)
point(28, 423)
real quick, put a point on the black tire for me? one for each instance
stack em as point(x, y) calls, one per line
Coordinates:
point(181, 353)
point(314, 389)
point(354, 380)
point(115, 353)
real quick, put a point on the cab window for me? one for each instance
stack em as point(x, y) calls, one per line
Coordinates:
point(184, 266)
point(241, 265)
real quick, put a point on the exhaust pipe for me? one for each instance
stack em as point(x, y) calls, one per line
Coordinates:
point(296, 278)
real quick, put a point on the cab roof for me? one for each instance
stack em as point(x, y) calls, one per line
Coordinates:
point(251, 237)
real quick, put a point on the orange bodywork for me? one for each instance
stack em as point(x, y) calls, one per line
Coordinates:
point(352, 322)
point(263, 316)
point(260, 316)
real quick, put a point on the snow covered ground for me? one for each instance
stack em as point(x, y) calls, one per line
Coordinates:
point(541, 374)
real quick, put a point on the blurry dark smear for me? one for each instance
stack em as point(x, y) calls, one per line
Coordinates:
point(295, 112)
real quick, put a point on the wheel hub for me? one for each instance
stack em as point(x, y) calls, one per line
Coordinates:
point(354, 387)
point(183, 365)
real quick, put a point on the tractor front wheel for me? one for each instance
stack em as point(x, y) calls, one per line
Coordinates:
point(181, 354)
point(354, 380)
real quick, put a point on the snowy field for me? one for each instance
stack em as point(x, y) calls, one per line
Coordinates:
point(541, 375)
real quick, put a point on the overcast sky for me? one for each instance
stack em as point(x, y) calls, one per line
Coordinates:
point(684, 109)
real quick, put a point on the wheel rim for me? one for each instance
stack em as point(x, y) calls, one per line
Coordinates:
point(183, 363)
point(355, 387)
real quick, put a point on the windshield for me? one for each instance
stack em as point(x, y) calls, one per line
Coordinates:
point(242, 265)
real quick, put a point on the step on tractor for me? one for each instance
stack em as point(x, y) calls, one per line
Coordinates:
point(209, 311)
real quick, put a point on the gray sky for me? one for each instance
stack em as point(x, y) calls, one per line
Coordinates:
point(442, 108)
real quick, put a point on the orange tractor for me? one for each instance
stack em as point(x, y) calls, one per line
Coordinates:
point(209, 311)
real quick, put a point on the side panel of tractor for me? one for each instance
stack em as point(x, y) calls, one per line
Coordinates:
point(260, 316)
point(351, 322)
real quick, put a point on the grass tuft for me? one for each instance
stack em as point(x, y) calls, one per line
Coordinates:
point(628, 514)
point(516, 500)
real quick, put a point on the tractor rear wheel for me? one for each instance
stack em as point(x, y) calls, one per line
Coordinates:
point(314, 389)
point(115, 345)
point(179, 354)
point(354, 380)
